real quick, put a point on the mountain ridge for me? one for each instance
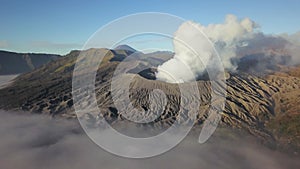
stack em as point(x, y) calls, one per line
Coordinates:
point(26, 61)
point(262, 105)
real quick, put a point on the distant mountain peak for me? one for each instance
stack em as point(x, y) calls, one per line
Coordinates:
point(125, 47)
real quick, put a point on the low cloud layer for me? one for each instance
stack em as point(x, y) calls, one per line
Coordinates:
point(37, 141)
point(3, 44)
point(234, 40)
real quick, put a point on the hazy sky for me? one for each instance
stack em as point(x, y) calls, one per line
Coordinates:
point(59, 26)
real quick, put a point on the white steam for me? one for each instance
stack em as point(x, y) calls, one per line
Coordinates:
point(197, 53)
point(293, 46)
point(236, 41)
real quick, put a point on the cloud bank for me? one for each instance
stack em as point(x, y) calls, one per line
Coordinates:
point(234, 40)
point(3, 44)
point(36, 141)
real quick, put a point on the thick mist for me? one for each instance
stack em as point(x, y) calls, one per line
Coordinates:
point(37, 141)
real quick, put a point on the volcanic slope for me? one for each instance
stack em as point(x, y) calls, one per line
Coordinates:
point(266, 106)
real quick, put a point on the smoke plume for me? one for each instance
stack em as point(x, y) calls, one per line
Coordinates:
point(235, 42)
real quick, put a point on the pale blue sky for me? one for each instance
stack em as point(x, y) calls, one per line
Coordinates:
point(59, 26)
